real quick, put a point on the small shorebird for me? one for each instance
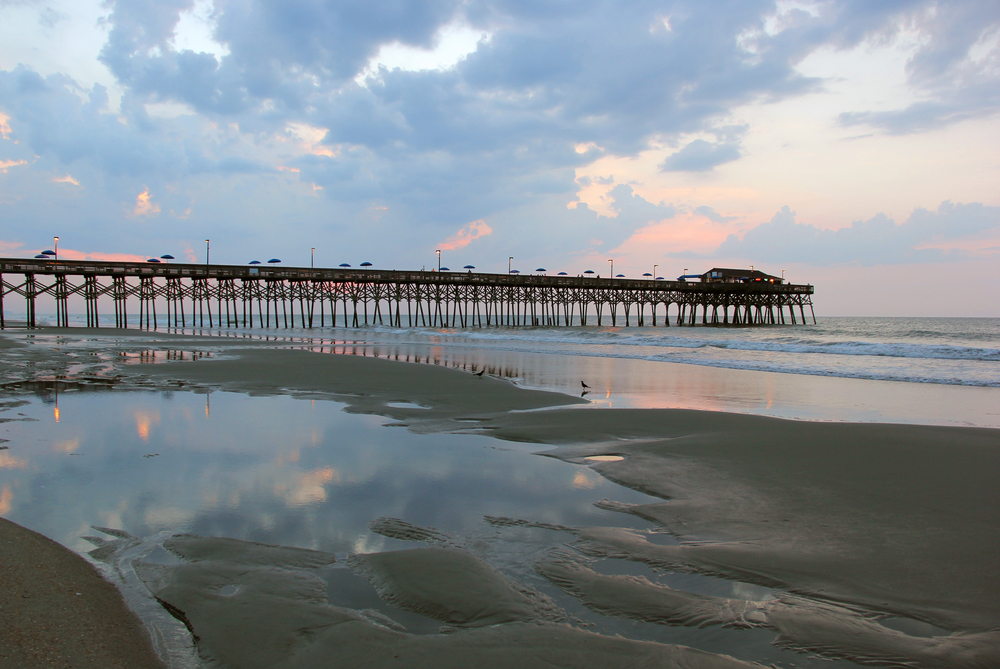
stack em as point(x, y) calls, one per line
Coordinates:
point(480, 372)
point(584, 384)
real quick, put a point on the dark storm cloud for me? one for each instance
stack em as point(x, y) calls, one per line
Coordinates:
point(877, 241)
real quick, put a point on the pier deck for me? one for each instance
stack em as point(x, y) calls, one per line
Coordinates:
point(190, 295)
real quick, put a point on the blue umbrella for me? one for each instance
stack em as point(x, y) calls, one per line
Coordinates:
point(659, 278)
point(344, 264)
point(647, 274)
point(589, 271)
point(469, 267)
point(273, 260)
point(515, 271)
point(153, 260)
point(167, 257)
point(541, 269)
point(445, 269)
point(563, 274)
point(254, 262)
point(42, 256)
point(366, 264)
point(619, 276)
point(48, 253)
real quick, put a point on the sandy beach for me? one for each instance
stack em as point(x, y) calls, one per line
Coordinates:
point(851, 525)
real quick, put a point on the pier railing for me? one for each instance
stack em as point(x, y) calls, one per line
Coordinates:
point(254, 295)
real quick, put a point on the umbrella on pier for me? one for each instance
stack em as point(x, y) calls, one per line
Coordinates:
point(515, 271)
point(659, 278)
point(469, 267)
point(167, 256)
point(273, 260)
point(445, 269)
point(647, 274)
point(344, 264)
point(366, 264)
point(152, 260)
point(563, 274)
point(589, 271)
point(254, 262)
point(541, 269)
point(48, 253)
point(619, 276)
point(42, 256)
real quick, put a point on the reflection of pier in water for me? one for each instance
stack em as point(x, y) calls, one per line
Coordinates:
point(186, 294)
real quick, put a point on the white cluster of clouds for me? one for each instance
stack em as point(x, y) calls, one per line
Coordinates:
point(277, 124)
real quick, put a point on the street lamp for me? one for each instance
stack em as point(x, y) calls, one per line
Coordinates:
point(654, 271)
point(207, 249)
point(56, 239)
point(438, 251)
point(312, 257)
point(782, 275)
point(612, 268)
point(508, 264)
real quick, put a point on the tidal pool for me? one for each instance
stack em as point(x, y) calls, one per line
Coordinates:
point(304, 473)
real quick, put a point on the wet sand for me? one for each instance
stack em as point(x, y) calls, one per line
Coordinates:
point(58, 611)
point(849, 523)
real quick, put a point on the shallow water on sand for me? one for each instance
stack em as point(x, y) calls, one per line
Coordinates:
point(304, 473)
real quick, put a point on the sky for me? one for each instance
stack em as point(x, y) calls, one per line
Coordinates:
point(850, 144)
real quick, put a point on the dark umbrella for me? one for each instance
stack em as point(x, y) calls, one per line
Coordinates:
point(366, 264)
point(589, 271)
point(153, 260)
point(515, 271)
point(344, 264)
point(42, 256)
point(273, 260)
point(659, 278)
point(541, 269)
point(254, 262)
point(48, 253)
point(167, 257)
point(647, 274)
point(445, 269)
point(469, 267)
point(619, 276)
point(563, 274)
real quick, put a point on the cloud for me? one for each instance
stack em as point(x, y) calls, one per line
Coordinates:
point(7, 164)
point(468, 234)
point(877, 241)
point(144, 206)
point(713, 215)
point(68, 179)
point(700, 156)
point(4, 126)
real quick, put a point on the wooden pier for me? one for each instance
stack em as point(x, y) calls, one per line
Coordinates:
point(195, 295)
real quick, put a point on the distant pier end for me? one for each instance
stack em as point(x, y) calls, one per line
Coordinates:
point(196, 295)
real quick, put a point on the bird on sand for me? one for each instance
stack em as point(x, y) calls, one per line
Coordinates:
point(584, 384)
point(480, 372)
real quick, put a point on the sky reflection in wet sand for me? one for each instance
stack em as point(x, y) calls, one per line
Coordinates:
point(304, 473)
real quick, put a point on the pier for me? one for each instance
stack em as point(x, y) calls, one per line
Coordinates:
point(199, 295)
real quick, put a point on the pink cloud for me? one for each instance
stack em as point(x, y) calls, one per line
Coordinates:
point(466, 235)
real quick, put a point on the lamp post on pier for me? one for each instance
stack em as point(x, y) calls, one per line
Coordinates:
point(654, 272)
point(438, 251)
point(56, 240)
point(612, 268)
point(312, 257)
point(508, 263)
point(207, 249)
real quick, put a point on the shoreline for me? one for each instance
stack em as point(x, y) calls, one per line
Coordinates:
point(59, 611)
point(889, 519)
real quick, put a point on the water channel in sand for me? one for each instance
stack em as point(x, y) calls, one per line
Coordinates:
point(304, 473)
